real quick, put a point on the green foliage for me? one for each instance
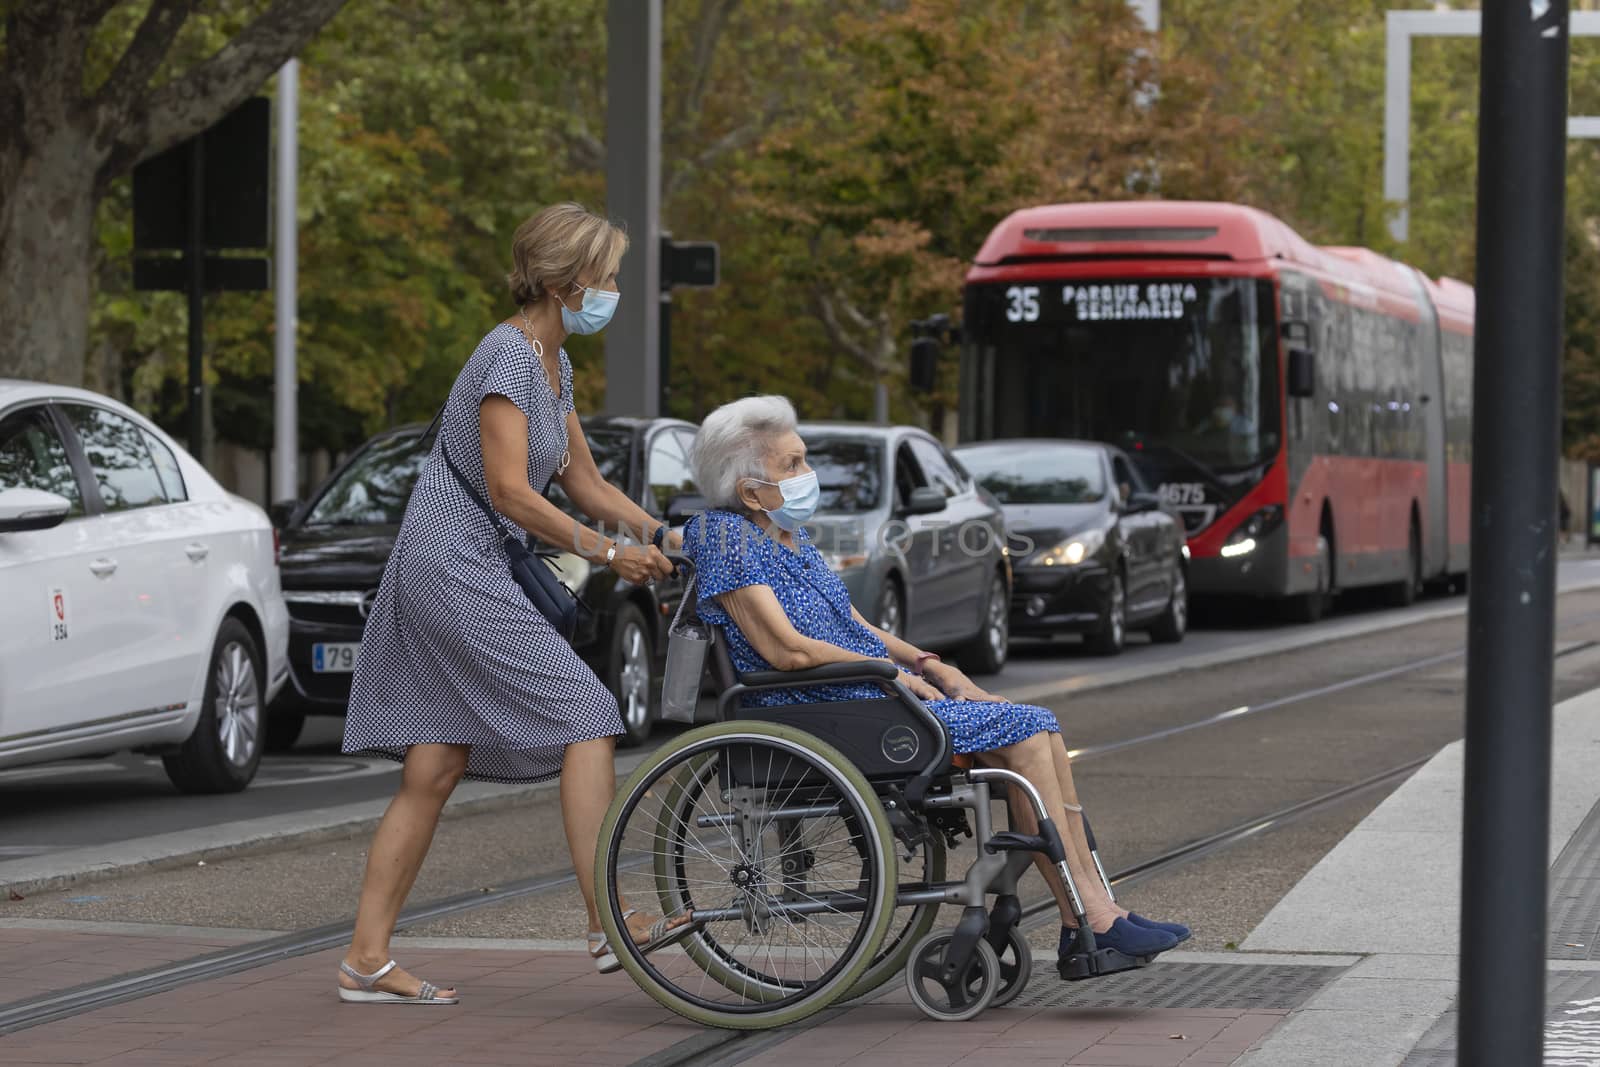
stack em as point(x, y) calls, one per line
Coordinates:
point(848, 158)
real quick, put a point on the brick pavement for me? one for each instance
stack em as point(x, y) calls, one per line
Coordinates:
point(540, 1008)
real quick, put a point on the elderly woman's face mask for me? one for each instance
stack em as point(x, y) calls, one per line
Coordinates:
point(800, 496)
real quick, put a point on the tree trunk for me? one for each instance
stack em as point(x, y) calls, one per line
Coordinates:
point(46, 261)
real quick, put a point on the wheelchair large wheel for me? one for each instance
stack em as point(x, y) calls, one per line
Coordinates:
point(911, 924)
point(776, 846)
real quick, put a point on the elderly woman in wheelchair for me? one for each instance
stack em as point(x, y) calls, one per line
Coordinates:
point(800, 843)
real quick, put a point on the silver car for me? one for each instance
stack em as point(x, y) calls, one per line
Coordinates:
point(920, 545)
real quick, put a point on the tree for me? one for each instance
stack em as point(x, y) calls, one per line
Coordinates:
point(88, 89)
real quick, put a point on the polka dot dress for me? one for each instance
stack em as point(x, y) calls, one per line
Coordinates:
point(453, 652)
point(731, 552)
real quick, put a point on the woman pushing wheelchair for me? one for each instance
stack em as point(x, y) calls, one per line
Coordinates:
point(780, 607)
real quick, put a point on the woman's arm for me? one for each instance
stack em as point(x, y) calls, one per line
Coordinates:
point(948, 678)
point(503, 430)
point(598, 498)
point(903, 653)
point(759, 616)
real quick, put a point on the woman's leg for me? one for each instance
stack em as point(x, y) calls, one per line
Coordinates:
point(1031, 758)
point(588, 782)
point(398, 848)
point(1075, 836)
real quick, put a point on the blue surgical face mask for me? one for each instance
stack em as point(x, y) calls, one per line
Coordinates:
point(598, 307)
point(800, 497)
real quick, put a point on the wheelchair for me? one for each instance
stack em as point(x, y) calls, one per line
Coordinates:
point(807, 845)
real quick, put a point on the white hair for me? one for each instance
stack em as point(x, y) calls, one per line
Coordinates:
point(732, 446)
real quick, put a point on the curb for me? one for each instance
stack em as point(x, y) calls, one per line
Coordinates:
point(1354, 628)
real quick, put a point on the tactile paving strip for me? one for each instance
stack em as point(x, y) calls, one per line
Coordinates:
point(1238, 986)
point(1569, 1038)
point(1575, 895)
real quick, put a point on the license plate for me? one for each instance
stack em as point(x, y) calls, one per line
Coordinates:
point(334, 658)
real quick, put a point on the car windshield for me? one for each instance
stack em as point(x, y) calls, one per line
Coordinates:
point(611, 449)
point(849, 472)
point(374, 488)
point(1031, 473)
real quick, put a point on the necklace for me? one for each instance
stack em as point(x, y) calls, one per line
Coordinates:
point(538, 350)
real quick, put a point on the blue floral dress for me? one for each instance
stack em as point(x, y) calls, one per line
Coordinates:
point(731, 552)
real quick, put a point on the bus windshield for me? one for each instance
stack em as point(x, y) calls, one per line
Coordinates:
point(1182, 372)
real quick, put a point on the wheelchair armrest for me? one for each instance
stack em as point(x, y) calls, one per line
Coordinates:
point(829, 673)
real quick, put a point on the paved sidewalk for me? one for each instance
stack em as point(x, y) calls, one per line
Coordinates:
point(1390, 893)
point(544, 1006)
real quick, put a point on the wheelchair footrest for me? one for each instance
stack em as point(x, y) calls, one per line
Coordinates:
point(1102, 961)
point(1012, 841)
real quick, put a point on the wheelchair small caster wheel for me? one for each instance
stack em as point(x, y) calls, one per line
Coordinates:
point(961, 998)
point(1016, 965)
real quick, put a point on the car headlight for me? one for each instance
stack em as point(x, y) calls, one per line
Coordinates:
point(843, 561)
point(1074, 550)
point(1247, 536)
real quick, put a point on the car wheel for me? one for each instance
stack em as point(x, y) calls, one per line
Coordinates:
point(222, 754)
point(891, 615)
point(630, 674)
point(283, 728)
point(1174, 621)
point(1113, 632)
point(987, 652)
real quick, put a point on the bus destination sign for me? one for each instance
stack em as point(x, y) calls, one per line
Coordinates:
point(1156, 300)
point(1102, 302)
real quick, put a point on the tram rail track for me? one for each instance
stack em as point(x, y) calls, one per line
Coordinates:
point(64, 1004)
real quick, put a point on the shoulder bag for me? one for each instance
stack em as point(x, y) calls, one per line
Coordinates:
point(530, 569)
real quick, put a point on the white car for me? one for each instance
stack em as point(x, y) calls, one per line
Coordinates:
point(141, 604)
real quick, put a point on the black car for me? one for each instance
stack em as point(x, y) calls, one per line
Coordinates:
point(335, 547)
point(1094, 552)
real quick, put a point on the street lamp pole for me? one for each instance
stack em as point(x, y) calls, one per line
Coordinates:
point(1522, 141)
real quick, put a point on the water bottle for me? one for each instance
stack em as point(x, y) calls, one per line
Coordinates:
point(687, 642)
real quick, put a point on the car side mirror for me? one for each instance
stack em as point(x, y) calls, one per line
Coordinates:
point(283, 513)
point(22, 510)
point(1139, 503)
point(1302, 372)
point(683, 507)
point(924, 500)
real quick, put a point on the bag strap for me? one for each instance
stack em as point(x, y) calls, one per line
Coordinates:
point(477, 499)
point(434, 431)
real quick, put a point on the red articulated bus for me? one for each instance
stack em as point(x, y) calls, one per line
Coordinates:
point(1307, 411)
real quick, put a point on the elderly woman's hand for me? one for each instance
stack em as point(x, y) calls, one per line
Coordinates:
point(956, 685)
point(921, 688)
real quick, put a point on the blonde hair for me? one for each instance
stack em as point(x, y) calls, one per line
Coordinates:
point(559, 245)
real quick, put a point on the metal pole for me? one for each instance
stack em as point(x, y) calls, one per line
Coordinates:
point(197, 288)
point(666, 351)
point(1511, 610)
point(286, 382)
point(633, 197)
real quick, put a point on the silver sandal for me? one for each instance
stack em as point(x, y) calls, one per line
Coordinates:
point(660, 935)
point(428, 994)
point(605, 960)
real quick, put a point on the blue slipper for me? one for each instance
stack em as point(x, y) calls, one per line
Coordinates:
point(1125, 937)
point(1177, 930)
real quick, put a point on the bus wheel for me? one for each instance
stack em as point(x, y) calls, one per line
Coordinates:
point(1309, 607)
point(1403, 594)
